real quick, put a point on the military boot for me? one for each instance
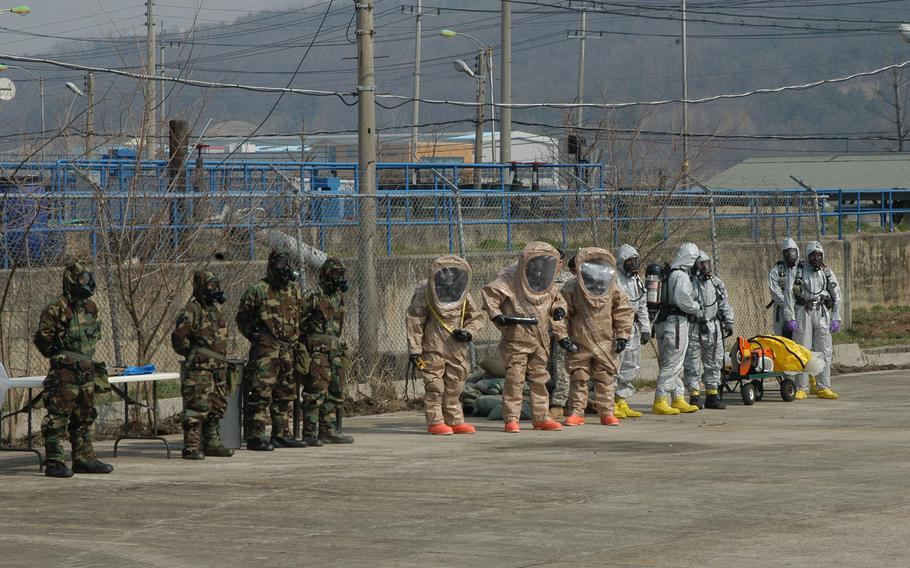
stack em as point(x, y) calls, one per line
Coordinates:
point(192, 454)
point(191, 441)
point(713, 401)
point(332, 437)
point(312, 440)
point(695, 399)
point(93, 466)
point(57, 469)
point(259, 445)
point(212, 441)
point(288, 442)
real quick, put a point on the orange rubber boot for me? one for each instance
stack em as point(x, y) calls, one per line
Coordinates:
point(573, 420)
point(513, 427)
point(548, 424)
point(439, 429)
point(609, 420)
point(463, 428)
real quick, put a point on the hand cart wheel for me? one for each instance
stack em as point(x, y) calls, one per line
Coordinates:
point(748, 393)
point(788, 390)
point(759, 387)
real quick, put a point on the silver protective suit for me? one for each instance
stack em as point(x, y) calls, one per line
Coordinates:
point(812, 290)
point(634, 288)
point(673, 332)
point(780, 284)
point(705, 355)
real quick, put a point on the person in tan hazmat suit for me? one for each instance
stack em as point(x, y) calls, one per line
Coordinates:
point(526, 307)
point(441, 320)
point(600, 322)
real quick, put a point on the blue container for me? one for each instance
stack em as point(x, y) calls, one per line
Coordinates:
point(28, 239)
point(328, 210)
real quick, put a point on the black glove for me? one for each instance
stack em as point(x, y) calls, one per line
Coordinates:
point(558, 314)
point(728, 329)
point(502, 320)
point(569, 345)
point(462, 335)
point(414, 359)
point(621, 345)
point(645, 337)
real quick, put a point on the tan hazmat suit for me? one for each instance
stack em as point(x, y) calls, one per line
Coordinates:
point(599, 313)
point(527, 291)
point(440, 306)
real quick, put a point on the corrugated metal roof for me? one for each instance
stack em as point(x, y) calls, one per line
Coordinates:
point(836, 171)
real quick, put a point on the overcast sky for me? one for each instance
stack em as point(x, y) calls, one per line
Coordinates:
point(74, 18)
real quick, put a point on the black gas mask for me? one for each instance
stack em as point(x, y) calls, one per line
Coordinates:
point(630, 265)
point(791, 257)
point(213, 292)
point(816, 260)
point(85, 285)
point(336, 281)
point(284, 270)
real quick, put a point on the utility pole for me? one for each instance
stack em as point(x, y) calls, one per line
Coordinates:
point(685, 105)
point(415, 106)
point(366, 146)
point(582, 39)
point(89, 114)
point(302, 143)
point(151, 87)
point(481, 97)
point(505, 93)
point(161, 46)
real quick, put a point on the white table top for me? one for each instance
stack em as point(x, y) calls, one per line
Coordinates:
point(7, 383)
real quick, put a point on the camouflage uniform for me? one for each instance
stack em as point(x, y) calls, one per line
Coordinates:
point(269, 317)
point(200, 336)
point(67, 334)
point(321, 325)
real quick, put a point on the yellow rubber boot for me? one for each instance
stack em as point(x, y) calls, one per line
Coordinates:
point(826, 393)
point(813, 385)
point(680, 404)
point(627, 410)
point(618, 409)
point(800, 395)
point(661, 407)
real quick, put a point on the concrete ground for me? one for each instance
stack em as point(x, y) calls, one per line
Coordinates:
point(807, 483)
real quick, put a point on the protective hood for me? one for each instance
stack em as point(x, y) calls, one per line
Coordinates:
point(331, 271)
point(536, 270)
point(624, 253)
point(789, 243)
point(686, 255)
point(280, 270)
point(200, 279)
point(814, 246)
point(595, 270)
point(703, 257)
point(448, 280)
point(71, 281)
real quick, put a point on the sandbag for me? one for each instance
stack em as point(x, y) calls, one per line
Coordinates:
point(494, 367)
point(484, 405)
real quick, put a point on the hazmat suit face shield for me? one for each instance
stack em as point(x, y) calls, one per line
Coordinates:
point(631, 265)
point(817, 259)
point(450, 284)
point(704, 268)
point(790, 257)
point(540, 272)
point(597, 275)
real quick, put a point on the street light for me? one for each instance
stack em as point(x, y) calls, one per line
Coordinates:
point(18, 10)
point(463, 67)
point(40, 79)
point(487, 53)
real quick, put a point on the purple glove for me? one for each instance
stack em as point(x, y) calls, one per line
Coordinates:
point(835, 326)
point(792, 326)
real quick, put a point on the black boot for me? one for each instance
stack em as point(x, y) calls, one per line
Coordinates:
point(218, 451)
point(259, 445)
point(714, 402)
point(288, 442)
point(695, 400)
point(57, 469)
point(332, 437)
point(93, 466)
point(313, 441)
point(211, 445)
point(190, 454)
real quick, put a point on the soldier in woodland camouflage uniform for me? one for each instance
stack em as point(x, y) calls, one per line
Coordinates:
point(201, 338)
point(67, 334)
point(322, 320)
point(269, 317)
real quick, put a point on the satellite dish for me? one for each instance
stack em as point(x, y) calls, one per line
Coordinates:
point(7, 89)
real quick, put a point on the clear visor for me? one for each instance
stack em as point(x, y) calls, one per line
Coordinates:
point(631, 264)
point(450, 284)
point(597, 275)
point(816, 258)
point(84, 278)
point(540, 273)
point(704, 267)
point(791, 255)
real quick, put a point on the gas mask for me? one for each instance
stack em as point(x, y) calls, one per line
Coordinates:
point(285, 270)
point(790, 257)
point(450, 284)
point(540, 272)
point(816, 260)
point(214, 293)
point(597, 275)
point(630, 265)
point(704, 269)
point(85, 285)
